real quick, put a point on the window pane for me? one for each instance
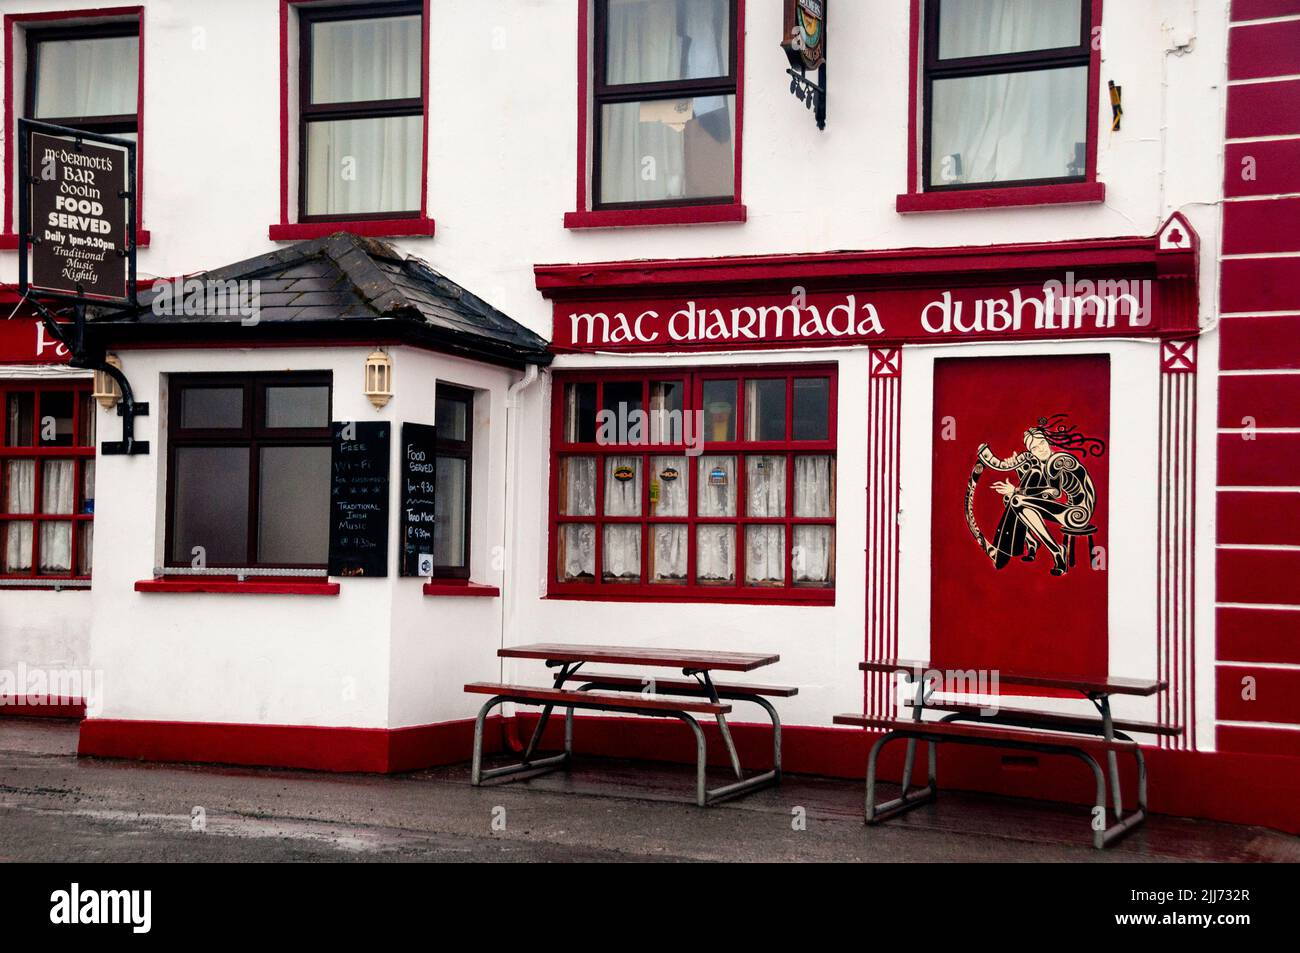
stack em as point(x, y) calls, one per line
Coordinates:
point(665, 149)
point(17, 546)
point(364, 60)
point(20, 486)
point(293, 505)
point(580, 413)
point(451, 418)
point(621, 399)
point(356, 166)
point(212, 408)
point(666, 416)
point(715, 555)
point(670, 481)
point(297, 407)
point(764, 555)
point(86, 548)
point(449, 503)
point(210, 507)
point(54, 429)
point(765, 409)
point(654, 41)
point(812, 408)
point(88, 486)
point(89, 417)
point(1009, 127)
point(577, 486)
point(56, 547)
point(814, 556)
point(765, 485)
point(576, 553)
point(80, 78)
point(58, 486)
point(622, 554)
point(717, 476)
point(668, 554)
point(20, 417)
point(992, 27)
point(814, 487)
point(622, 486)
point(720, 410)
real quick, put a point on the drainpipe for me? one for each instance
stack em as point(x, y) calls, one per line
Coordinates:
point(531, 375)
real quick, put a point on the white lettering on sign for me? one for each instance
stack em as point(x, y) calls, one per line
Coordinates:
point(45, 343)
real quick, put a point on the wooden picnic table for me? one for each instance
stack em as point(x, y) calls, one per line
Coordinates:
point(636, 694)
point(982, 723)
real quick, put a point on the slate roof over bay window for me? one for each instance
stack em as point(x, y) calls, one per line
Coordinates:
point(342, 286)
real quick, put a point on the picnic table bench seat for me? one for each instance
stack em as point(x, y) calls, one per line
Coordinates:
point(679, 686)
point(993, 733)
point(1051, 719)
point(564, 698)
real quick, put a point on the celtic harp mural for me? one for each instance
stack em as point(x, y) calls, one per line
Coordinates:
point(1053, 494)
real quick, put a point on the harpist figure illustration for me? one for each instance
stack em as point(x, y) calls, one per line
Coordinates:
point(1053, 490)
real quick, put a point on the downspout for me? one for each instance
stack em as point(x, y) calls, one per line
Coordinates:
point(510, 727)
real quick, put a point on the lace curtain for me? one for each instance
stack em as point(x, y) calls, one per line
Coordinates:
point(91, 77)
point(58, 497)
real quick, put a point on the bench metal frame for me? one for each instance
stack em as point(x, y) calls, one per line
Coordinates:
point(1101, 837)
point(704, 795)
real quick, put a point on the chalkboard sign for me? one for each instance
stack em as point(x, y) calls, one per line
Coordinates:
point(359, 498)
point(418, 516)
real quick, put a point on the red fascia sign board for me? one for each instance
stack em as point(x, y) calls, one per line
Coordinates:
point(1140, 287)
point(26, 341)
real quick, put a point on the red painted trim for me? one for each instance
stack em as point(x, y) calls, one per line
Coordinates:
point(1274, 691)
point(1069, 193)
point(1263, 9)
point(1250, 740)
point(681, 215)
point(584, 217)
point(1257, 634)
point(1264, 50)
point(376, 750)
point(452, 587)
point(255, 585)
point(8, 237)
point(289, 231)
point(916, 199)
point(29, 706)
point(1189, 783)
point(369, 228)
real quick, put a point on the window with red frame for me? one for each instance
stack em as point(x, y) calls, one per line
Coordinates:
point(1006, 92)
point(708, 485)
point(664, 103)
point(47, 481)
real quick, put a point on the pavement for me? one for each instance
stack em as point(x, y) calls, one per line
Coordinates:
point(55, 806)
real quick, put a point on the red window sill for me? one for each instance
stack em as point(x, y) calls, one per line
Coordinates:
point(264, 585)
point(782, 597)
point(9, 240)
point(367, 228)
point(453, 587)
point(637, 217)
point(1070, 193)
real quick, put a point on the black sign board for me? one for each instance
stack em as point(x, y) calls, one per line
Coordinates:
point(418, 514)
point(359, 498)
point(77, 215)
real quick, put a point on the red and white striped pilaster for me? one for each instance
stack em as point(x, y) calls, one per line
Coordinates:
point(883, 445)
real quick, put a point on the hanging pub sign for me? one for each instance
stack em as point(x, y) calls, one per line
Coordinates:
point(804, 42)
point(76, 215)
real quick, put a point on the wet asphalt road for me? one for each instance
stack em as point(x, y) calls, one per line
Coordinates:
point(56, 807)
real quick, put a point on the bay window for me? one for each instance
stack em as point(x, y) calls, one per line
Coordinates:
point(664, 104)
point(453, 469)
point(1007, 87)
point(248, 465)
point(361, 112)
point(47, 482)
point(709, 485)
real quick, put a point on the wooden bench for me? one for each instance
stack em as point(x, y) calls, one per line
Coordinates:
point(627, 694)
point(1090, 740)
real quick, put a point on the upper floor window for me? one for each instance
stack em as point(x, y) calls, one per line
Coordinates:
point(248, 470)
point(47, 480)
point(1006, 92)
point(361, 112)
point(85, 77)
point(664, 103)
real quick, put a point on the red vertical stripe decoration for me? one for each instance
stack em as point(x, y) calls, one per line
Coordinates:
point(1177, 531)
point(883, 444)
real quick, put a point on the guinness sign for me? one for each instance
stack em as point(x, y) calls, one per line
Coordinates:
point(805, 33)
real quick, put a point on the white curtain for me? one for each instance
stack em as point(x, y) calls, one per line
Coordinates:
point(814, 554)
point(669, 497)
point(58, 496)
point(715, 554)
point(577, 556)
point(577, 551)
point(667, 149)
point(814, 487)
point(578, 476)
point(765, 485)
point(365, 165)
point(717, 479)
point(765, 554)
point(622, 554)
point(1009, 126)
point(95, 77)
point(622, 545)
point(19, 498)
